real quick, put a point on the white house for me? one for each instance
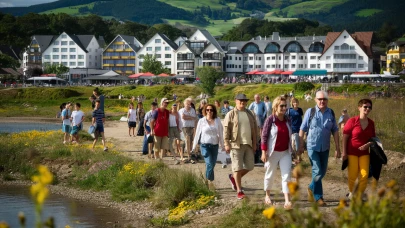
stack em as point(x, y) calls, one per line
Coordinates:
point(162, 48)
point(346, 53)
point(201, 49)
point(76, 51)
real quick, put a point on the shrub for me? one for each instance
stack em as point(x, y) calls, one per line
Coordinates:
point(303, 86)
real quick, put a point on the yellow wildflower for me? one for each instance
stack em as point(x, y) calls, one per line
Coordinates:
point(297, 171)
point(391, 183)
point(4, 225)
point(293, 187)
point(269, 212)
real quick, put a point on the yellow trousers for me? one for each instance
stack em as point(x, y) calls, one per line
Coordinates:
point(358, 168)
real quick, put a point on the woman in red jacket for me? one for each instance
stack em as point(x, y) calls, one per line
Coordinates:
point(356, 135)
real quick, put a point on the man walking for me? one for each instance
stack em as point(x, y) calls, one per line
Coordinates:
point(319, 123)
point(159, 126)
point(188, 119)
point(259, 108)
point(240, 136)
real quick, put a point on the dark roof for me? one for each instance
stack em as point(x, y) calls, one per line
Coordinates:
point(330, 39)
point(168, 41)
point(101, 41)
point(396, 43)
point(10, 71)
point(80, 39)
point(234, 51)
point(44, 40)
point(211, 39)
point(131, 41)
point(13, 52)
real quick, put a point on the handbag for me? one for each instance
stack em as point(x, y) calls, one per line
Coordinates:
point(91, 129)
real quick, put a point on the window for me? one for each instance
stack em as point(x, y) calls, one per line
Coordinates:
point(279, 58)
point(316, 47)
point(250, 66)
point(167, 48)
point(344, 46)
point(328, 57)
point(55, 49)
point(312, 66)
point(56, 42)
point(158, 48)
point(63, 43)
point(230, 57)
point(72, 57)
point(71, 43)
point(148, 48)
point(64, 63)
point(64, 36)
point(268, 58)
point(273, 66)
point(319, 66)
point(140, 63)
point(55, 56)
point(245, 58)
point(64, 56)
point(95, 57)
point(312, 57)
point(293, 47)
point(158, 41)
point(250, 48)
point(301, 57)
point(286, 57)
point(300, 66)
point(168, 55)
point(272, 48)
point(273, 58)
point(361, 66)
point(72, 64)
point(240, 58)
point(293, 57)
point(258, 66)
point(250, 58)
point(286, 66)
point(352, 48)
point(168, 63)
point(47, 57)
point(80, 63)
point(63, 49)
point(141, 56)
point(89, 56)
point(360, 57)
point(80, 56)
point(292, 65)
point(328, 66)
point(240, 66)
point(336, 47)
point(158, 56)
point(72, 49)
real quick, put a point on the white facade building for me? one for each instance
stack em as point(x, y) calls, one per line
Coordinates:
point(162, 48)
point(73, 51)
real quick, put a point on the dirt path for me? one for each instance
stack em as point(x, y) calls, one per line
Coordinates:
point(334, 184)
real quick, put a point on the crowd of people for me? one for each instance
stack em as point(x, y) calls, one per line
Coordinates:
point(272, 133)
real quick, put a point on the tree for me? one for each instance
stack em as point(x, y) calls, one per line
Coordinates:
point(8, 62)
point(396, 66)
point(150, 64)
point(208, 76)
point(56, 69)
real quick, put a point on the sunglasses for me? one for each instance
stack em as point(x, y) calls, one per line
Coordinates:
point(322, 99)
point(283, 106)
point(209, 110)
point(368, 107)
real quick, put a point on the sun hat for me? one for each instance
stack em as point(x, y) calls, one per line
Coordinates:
point(241, 96)
point(164, 100)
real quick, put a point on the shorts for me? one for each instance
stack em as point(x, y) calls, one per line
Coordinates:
point(65, 128)
point(75, 130)
point(174, 133)
point(131, 124)
point(188, 131)
point(161, 143)
point(99, 128)
point(242, 158)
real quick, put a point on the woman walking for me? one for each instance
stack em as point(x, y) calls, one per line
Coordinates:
point(174, 133)
point(357, 132)
point(210, 129)
point(140, 116)
point(276, 149)
point(131, 118)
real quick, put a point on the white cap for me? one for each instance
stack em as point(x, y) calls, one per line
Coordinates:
point(164, 100)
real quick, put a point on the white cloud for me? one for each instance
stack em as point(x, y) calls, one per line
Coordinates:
point(13, 3)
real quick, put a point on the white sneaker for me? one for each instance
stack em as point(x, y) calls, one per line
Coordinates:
point(177, 162)
point(105, 148)
point(64, 142)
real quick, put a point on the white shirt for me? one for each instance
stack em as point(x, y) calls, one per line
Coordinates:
point(77, 117)
point(187, 123)
point(210, 134)
point(148, 117)
point(66, 121)
point(172, 120)
point(132, 115)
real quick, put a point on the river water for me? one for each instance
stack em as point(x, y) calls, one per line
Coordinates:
point(65, 211)
point(6, 127)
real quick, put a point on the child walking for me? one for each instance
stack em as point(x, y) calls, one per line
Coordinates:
point(131, 118)
point(77, 123)
point(98, 120)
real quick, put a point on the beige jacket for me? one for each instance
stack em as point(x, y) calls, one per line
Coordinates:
point(231, 129)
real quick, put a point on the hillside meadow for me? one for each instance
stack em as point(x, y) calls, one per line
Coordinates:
point(44, 102)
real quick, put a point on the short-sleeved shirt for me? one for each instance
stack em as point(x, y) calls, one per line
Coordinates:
point(224, 110)
point(296, 119)
point(132, 115)
point(148, 117)
point(358, 136)
point(66, 113)
point(283, 137)
point(77, 117)
point(187, 123)
point(161, 118)
point(320, 129)
point(98, 114)
point(245, 130)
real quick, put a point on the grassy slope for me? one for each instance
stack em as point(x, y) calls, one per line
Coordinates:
point(191, 5)
point(367, 12)
point(72, 10)
point(311, 7)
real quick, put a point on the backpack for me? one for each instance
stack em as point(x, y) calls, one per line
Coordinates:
point(311, 116)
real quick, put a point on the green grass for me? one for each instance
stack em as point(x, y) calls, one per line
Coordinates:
point(192, 5)
point(71, 10)
point(367, 12)
point(310, 7)
point(216, 28)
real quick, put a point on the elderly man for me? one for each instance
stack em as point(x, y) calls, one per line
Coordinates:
point(159, 126)
point(319, 123)
point(259, 108)
point(188, 119)
point(240, 137)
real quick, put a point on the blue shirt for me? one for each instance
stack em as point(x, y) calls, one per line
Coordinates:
point(296, 119)
point(258, 108)
point(319, 130)
point(99, 115)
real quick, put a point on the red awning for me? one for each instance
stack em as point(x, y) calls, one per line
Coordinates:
point(135, 75)
point(48, 75)
point(287, 73)
point(365, 72)
point(253, 72)
point(147, 74)
point(163, 75)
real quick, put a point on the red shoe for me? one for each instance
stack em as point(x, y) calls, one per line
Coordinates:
point(233, 183)
point(241, 195)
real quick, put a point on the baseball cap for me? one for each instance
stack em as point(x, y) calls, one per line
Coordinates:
point(241, 96)
point(164, 100)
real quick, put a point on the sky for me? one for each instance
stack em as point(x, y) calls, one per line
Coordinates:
point(12, 3)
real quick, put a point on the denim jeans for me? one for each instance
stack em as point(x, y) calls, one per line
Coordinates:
point(145, 142)
point(210, 154)
point(319, 162)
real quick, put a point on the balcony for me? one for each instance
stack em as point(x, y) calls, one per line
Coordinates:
point(128, 49)
point(345, 61)
point(344, 52)
point(119, 65)
point(129, 72)
point(119, 50)
point(119, 43)
point(187, 68)
point(118, 71)
point(115, 57)
point(109, 50)
point(130, 64)
point(124, 57)
point(108, 65)
point(132, 57)
point(106, 57)
point(348, 70)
